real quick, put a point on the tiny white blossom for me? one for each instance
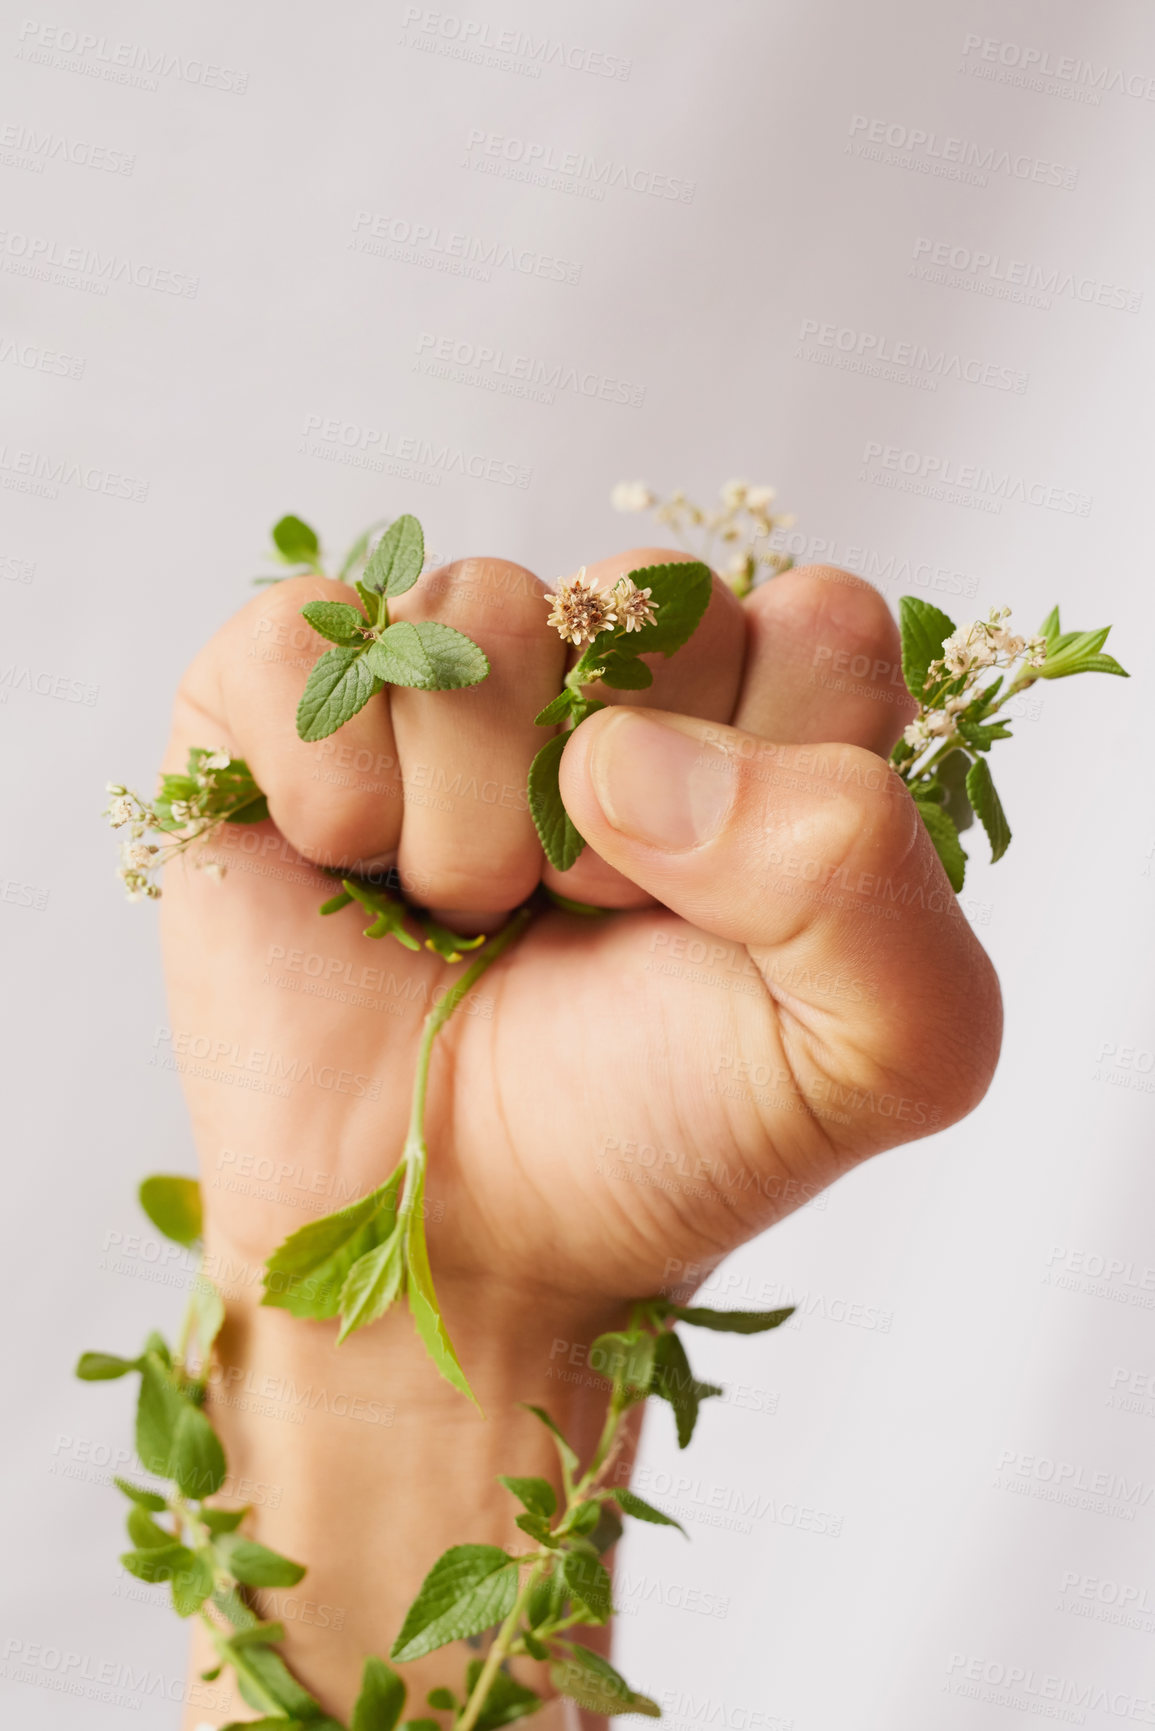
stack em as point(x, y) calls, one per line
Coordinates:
point(734, 494)
point(220, 759)
point(580, 611)
point(758, 498)
point(632, 496)
point(121, 811)
point(632, 605)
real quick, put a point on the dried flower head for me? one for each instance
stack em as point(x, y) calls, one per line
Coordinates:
point(580, 611)
point(632, 605)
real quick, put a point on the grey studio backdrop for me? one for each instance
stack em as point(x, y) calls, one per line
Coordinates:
point(896, 260)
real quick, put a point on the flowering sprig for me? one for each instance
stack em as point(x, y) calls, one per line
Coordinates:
point(942, 755)
point(215, 789)
point(653, 610)
point(739, 527)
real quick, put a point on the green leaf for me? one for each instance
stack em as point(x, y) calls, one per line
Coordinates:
point(588, 1580)
point(295, 541)
point(556, 709)
point(381, 1699)
point(644, 1511)
point(951, 772)
point(468, 1590)
point(398, 657)
point(443, 1699)
point(375, 605)
point(266, 1683)
point(1050, 628)
point(559, 835)
point(159, 1564)
point(427, 656)
point(173, 1205)
point(537, 1495)
point(277, 1724)
point(103, 1366)
point(608, 1530)
point(372, 1284)
point(583, 1518)
point(338, 687)
point(256, 1565)
point(988, 807)
point(192, 1586)
point(593, 1683)
point(388, 912)
point(335, 903)
point(569, 1459)
point(425, 1309)
point(223, 1520)
point(675, 1382)
point(944, 835)
point(1101, 664)
point(626, 1359)
point(397, 560)
point(197, 1462)
point(306, 1273)
point(733, 1321)
point(538, 1528)
point(208, 1313)
point(260, 1635)
point(680, 592)
point(337, 621)
point(158, 1411)
point(979, 734)
point(144, 1532)
point(506, 1700)
point(625, 672)
point(143, 1499)
point(924, 630)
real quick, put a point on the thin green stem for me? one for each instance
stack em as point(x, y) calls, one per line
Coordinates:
point(499, 1651)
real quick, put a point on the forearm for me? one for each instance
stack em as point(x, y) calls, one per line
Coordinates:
point(364, 1465)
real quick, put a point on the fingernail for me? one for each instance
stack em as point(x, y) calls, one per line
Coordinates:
point(659, 784)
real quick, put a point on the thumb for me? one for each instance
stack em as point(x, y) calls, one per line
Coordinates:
point(815, 858)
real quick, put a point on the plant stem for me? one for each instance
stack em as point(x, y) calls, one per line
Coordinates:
point(499, 1651)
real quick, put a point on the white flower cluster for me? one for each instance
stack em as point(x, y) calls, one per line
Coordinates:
point(967, 654)
point(140, 859)
point(742, 523)
point(581, 611)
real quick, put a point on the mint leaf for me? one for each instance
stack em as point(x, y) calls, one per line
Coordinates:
point(468, 1590)
point(625, 672)
point(388, 912)
point(944, 835)
point(336, 620)
point(675, 1382)
point(255, 1565)
point(924, 630)
point(644, 1511)
point(397, 560)
point(371, 1285)
point(507, 1700)
point(988, 807)
point(103, 1366)
point(398, 657)
point(556, 709)
point(143, 1499)
point(680, 593)
point(425, 1309)
point(197, 1460)
point(558, 833)
point(306, 1273)
point(593, 1683)
point(537, 1495)
point(569, 1459)
point(381, 1699)
point(295, 541)
point(733, 1321)
point(174, 1207)
point(427, 657)
point(338, 687)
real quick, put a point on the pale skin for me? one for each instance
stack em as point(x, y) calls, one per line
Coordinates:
point(844, 1007)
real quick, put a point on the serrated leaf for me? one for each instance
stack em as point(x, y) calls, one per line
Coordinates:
point(630, 1504)
point(506, 1700)
point(625, 673)
point(336, 620)
point(305, 1274)
point(556, 709)
point(988, 807)
point(944, 835)
point(951, 772)
point(587, 1579)
point(372, 1284)
point(427, 657)
point(675, 1382)
point(423, 1304)
point(339, 686)
point(924, 630)
point(192, 1586)
point(397, 560)
point(980, 734)
point(468, 1590)
point(173, 1204)
point(381, 1699)
point(537, 1495)
point(398, 657)
point(537, 1528)
point(680, 594)
point(558, 833)
point(732, 1321)
point(103, 1366)
point(295, 541)
point(593, 1683)
point(197, 1461)
point(144, 1499)
point(255, 1565)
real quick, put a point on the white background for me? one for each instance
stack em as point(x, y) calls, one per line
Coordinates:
point(948, 1493)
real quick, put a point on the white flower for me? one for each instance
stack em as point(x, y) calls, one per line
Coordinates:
point(121, 811)
point(580, 611)
point(213, 869)
point(632, 606)
point(220, 759)
point(137, 856)
point(632, 496)
point(734, 494)
point(758, 498)
point(181, 811)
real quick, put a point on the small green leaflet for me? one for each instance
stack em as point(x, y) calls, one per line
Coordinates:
point(144, 1499)
point(173, 1205)
point(627, 1359)
point(423, 1299)
point(158, 1563)
point(223, 1520)
point(588, 1580)
point(192, 1586)
point(158, 1410)
point(468, 1590)
point(255, 1565)
point(104, 1366)
point(944, 835)
point(306, 1273)
point(507, 1699)
point(924, 630)
point(593, 1683)
point(397, 560)
point(207, 1311)
point(568, 1458)
point(337, 621)
point(388, 911)
point(674, 1381)
point(144, 1532)
point(267, 1684)
point(537, 1495)
point(625, 672)
point(338, 687)
point(197, 1460)
point(381, 1699)
point(1075, 651)
point(630, 1504)
point(372, 1284)
point(733, 1321)
point(295, 541)
point(988, 807)
point(450, 946)
point(559, 835)
point(557, 708)
point(427, 656)
point(979, 734)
